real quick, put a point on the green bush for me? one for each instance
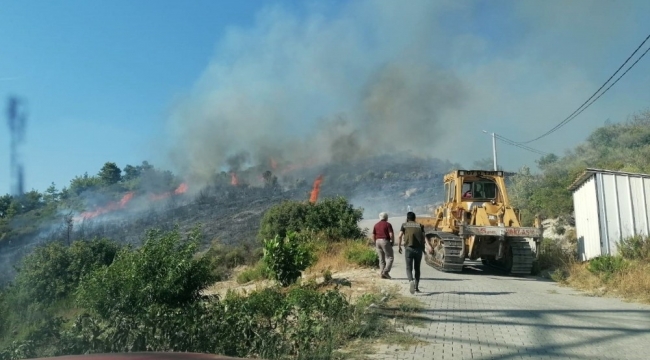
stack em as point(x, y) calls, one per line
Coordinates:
point(4, 314)
point(298, 323)
point(225, 258)
point(333, 216)
point(283, 218)
point(635, 248)
point(52, 272)
point(287, 257)
point(258, 272)
point(19, 350)
point(607, 265)
point(162, 272)
point(361, 254)
point(336, 217)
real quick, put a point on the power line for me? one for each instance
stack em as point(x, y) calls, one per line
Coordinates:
point(510, 142)
point(582, 107)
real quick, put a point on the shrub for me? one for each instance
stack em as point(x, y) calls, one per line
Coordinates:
point(273, 323)
point(52, 272)
point(19, 350)
point(607, 265)
point(162, 272)
point(287, 257)
point(334, 217)
point(288, 216)
point(361, 254)
point(258, 272)
point(635, 247)
point(4, 312)
point(552, 256)
point(225, 258)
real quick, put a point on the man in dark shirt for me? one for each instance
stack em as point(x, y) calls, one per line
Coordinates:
point(413, 233)
point(384, 239)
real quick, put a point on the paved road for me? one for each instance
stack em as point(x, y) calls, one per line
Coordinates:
point(481, 314)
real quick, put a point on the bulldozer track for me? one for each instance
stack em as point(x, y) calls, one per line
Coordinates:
point(522, 258)
point(448, 255)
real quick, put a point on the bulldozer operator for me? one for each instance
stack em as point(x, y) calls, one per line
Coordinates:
point(478, 190)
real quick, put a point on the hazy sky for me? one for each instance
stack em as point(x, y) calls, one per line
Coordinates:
point(186, 84)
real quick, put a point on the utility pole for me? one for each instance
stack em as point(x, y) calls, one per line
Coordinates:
point(494, 150)
point(16, 120)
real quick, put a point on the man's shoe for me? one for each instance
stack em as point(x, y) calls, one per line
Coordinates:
point(387, 276)
point(412, 287)
point(384, 276)
point(417, 290)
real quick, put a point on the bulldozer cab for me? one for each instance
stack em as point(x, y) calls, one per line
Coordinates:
point(480, 189)
point(469, 190)
point(475, 187)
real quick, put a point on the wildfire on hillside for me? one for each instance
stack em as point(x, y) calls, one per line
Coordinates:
point(234, 181)
point(108, 208)
point(181, 189)
point(316, 189)
point(113, 206)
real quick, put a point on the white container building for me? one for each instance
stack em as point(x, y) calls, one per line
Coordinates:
point(609, 206)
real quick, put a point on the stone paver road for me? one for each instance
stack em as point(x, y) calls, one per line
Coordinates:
point(480, 314)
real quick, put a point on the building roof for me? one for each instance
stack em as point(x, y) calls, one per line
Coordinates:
point(589, 171)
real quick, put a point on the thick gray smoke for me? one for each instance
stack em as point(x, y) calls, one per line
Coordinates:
point(318, 90)
point(426, 76)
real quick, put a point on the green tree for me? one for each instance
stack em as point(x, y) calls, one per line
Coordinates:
point(163, 272)
point(546, 160)
point(520, 189)
point(30, 200)
point(5, 202)
point(131, 173)
point(84, 183)
point(51, 195)
point(110, 173)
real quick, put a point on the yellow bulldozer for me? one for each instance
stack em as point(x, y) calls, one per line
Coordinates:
point(476, 221)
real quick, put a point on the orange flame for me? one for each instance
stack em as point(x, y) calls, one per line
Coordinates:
point(181, 189)
point(110, 207)
point(233, 179)
point(316, 189)
point(274, 164)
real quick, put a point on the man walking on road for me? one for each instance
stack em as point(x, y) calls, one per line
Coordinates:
point(384, 239)
point(414, 247)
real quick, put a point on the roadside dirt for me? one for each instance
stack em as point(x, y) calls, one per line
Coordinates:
point(353, 282)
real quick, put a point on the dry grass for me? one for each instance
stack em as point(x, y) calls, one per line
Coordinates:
point(631, 283)
point(330, 257)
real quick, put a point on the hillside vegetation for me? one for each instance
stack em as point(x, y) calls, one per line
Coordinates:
point(620, 147)
point(121, 204)
point(99, 296)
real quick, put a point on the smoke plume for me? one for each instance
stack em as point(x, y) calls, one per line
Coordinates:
point(378, 76)
point(316, 90)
